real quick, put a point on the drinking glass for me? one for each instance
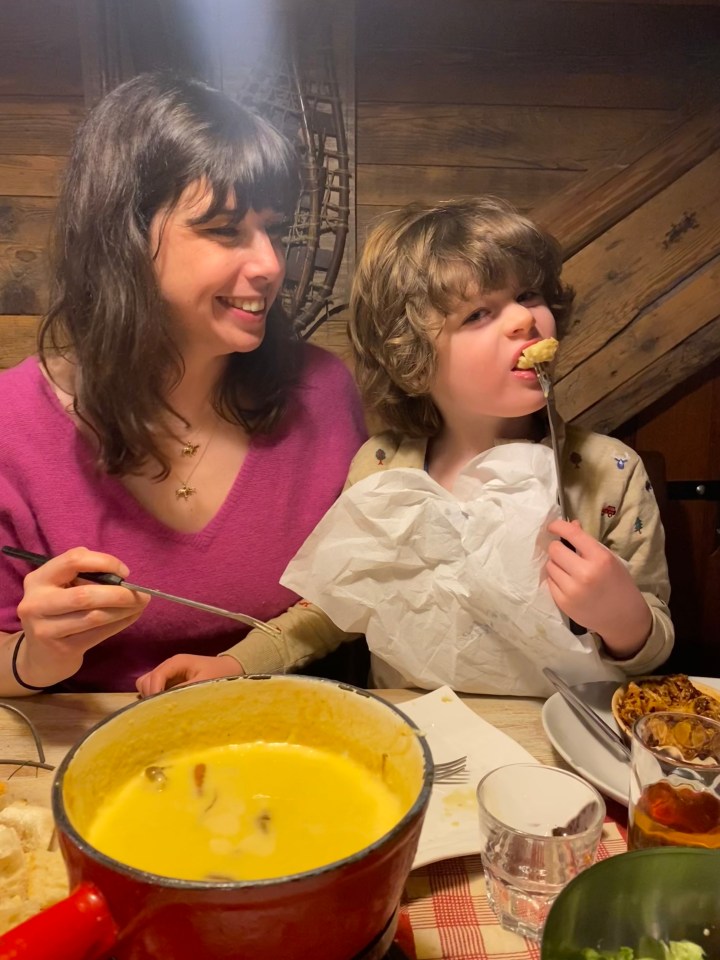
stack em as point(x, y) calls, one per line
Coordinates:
point(540, 826)
point(674, 782)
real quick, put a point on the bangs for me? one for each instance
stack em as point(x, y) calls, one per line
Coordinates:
point(488, 262)
point(257, 168)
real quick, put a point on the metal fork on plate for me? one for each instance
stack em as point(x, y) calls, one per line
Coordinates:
point(452, 771)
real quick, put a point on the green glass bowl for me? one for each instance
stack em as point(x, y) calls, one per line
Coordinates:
point(669, 893)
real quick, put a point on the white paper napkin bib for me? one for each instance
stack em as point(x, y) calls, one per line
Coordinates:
point(449, 588)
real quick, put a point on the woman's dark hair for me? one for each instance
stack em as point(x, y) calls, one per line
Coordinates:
point(135, 154)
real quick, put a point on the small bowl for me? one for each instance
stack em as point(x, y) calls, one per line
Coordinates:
point(668, 893)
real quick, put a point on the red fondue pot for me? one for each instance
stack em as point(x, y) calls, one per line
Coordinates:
point(332, 912)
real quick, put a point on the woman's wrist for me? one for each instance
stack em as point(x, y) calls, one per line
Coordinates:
point(36, 670)
point(14, 667)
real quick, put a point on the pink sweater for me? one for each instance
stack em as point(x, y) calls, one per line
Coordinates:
point(52, 498)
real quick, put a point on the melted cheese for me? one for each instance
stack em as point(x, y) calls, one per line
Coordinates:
point(245, 812)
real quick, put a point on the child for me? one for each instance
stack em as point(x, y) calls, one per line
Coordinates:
point(445, 300)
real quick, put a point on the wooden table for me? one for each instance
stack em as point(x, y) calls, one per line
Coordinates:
point(468, 931)
point(62, 719)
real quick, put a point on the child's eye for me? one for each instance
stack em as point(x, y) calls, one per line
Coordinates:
point(475, 315)
point(527, 295)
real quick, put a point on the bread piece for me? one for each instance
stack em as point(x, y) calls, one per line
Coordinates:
point(31, 876)
point(32, 824)
point(13, 866)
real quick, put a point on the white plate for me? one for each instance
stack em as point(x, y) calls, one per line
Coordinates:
point(451, 827)
point(581, 748)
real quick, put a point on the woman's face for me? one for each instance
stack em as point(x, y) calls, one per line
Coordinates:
point(218, 279)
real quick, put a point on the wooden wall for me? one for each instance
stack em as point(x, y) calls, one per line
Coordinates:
point(517, 98)
point(41, 102)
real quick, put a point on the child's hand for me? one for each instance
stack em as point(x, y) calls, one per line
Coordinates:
point(186, 668)
point(594, 587)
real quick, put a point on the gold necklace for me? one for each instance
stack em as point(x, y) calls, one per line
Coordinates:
point(189, 449)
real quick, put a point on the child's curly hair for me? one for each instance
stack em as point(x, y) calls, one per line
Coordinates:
point(418, 263)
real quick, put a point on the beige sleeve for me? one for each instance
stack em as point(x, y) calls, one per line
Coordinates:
point(638, 537)
point(306, 634)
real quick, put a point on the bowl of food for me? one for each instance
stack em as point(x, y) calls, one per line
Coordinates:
point(674, 693)
point(248, 817)
point(659, 904)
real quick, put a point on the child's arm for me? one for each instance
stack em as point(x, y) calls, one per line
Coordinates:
point(619, 588)
point(306, 634)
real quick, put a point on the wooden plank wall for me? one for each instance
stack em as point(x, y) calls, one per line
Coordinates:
point(516, 98)
point(41, 102)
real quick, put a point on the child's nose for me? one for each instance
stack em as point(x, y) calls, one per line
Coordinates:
point(519, 320)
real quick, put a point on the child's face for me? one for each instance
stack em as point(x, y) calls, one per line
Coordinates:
point(477, 350)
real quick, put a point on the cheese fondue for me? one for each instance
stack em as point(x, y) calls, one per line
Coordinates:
point(246, 811)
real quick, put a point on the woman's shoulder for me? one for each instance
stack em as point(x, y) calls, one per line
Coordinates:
point(19, 389)
point(322, 367)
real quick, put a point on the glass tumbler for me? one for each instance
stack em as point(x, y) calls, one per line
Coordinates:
point(674, 782)
point(539, 826)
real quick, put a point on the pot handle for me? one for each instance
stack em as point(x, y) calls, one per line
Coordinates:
point(80, 927)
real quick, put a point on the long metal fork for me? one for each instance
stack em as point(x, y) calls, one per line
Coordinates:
point(452, 771)
point(114, 580)
point(543, 375)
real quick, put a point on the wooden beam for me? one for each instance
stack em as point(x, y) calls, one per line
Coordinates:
point(18, 339)
point(658, 331)
point(654, 381)
point(640, 259)
point(597, 203)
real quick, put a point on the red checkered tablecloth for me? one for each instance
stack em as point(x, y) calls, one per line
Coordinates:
point(448, 910)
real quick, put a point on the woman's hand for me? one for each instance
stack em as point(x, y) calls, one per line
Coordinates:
point(594, 587)
point(62, 616)
point(187, 668)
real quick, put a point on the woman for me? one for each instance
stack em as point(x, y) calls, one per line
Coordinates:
point(172, 425)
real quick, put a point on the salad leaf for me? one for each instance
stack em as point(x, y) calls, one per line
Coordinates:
point(649, 949)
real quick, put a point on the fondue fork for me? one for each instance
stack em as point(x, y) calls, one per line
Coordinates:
point(546, 384)
point(114, 580)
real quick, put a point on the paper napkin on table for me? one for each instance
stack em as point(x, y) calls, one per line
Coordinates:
point(453, 730)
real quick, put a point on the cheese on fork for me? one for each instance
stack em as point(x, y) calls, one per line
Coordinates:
point(540, 352)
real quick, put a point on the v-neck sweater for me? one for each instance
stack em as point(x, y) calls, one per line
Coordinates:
point(53, 497)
